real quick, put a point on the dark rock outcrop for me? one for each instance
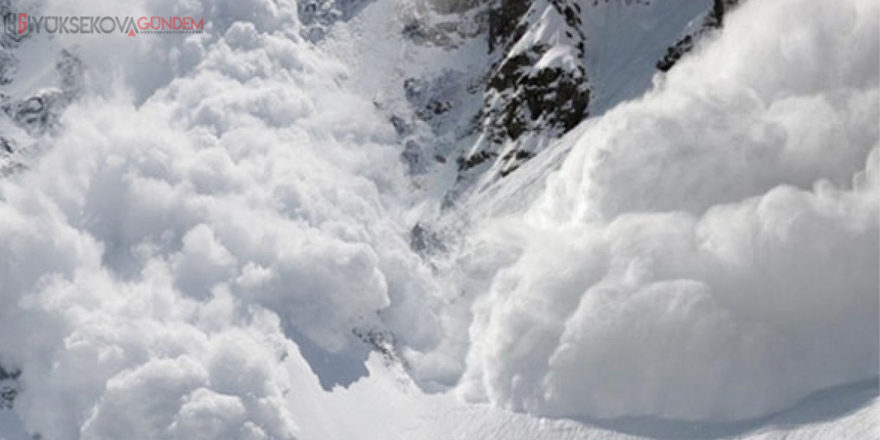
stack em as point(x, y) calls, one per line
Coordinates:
point(536, 86)
point(714, 20)
point(318, 16)
point(9, 388)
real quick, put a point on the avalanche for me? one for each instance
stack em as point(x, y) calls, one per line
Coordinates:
point(320, 220)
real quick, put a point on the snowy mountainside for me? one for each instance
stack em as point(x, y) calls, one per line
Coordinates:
point(38, 83)
point(426, 219)
point(700, 194)
point(713, 20)
point(491, 84)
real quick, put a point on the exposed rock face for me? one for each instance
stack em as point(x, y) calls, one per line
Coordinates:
point(535, 85)
point(719, 9)
point(714, 20)
point(8, 60)
point(9, 387)
point(496, 110)
point(317, 16)
point(38, 113)
point(538, 83)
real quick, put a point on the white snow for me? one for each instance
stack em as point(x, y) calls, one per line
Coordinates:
point(702, 253)
point(195, 252)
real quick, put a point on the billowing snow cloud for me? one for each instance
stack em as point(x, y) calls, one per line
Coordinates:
point(709, 251)
point(218, 206)
point(186, 223)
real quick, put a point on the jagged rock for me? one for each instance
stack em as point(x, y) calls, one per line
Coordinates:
point(7, 396)
point(538, 85)
point(432, 98)
point(8, 390)
point(401, 127)
point(675, 52)
point(6, 145)
point(514, 159)
point(506, 23)
point(713, 20)
point(466, 163)
point(451, 22)
point(381, 341)
point(8, 66)
point(456, 6)
point(416, 31)
point(425, 241)
point(533, 85)
point(719, 8)
point(8, 61)
point(39, 113)
point(317, 16)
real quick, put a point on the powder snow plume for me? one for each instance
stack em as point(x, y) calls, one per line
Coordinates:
point(710, 250)
point(157, 252)
point(218, 234)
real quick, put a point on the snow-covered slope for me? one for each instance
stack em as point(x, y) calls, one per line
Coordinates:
point(476, 89)
point(38, 81)
point(272, 230)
